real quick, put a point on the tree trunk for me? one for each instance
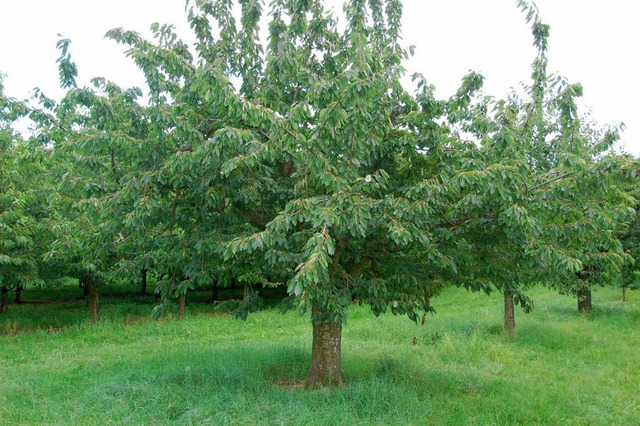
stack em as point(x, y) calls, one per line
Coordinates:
point(85, 291)
point(509, 314)
point(158, 293)
point(427, 302)
point(181, 302)
point(143, 289)
point(624, 294)
point(94, 305)
point(4, 300)
point(214, 292)
point(326, 360)
point(584, 299)
point(19, 289)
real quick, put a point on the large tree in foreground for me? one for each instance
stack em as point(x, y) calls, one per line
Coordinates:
point(301, 160)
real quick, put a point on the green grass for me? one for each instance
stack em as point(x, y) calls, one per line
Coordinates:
point(560, 368)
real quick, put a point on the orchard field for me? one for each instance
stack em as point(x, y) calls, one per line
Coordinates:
point(279, 161)
point(459, 368)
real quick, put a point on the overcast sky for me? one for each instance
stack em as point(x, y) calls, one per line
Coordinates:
point(593, 42)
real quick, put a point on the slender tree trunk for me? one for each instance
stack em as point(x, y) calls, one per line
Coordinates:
point(509, 314)
point(159, 277)
point(85, 291)
point(4, 300)
point(214, 292)
point(584, 299)
point(94, 303)
point(427, 301)
point(19, 289)
point(143, 289)
point(326, 360)
point(624, 294)
point(181, 303)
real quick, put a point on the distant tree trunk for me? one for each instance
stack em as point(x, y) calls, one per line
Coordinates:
point(246, 289)
point(4, 300)
point(427, 301)
point(19, 289)
point(509, 314)
point(584, 299)
point(158, 293)
point(94, 303)
point(181, 303)
point(624, 294)
point(214, 292)
point(85, 291)
point(143, 289)
point(326, 360)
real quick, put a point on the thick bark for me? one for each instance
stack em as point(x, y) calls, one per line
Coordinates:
point(19, 289)
point(94, 305)
point(624, 294)
point(326, 360)
point(584, 299)
point(143, 289)
point(4, 300)
point(181, 303)
point(509, 314)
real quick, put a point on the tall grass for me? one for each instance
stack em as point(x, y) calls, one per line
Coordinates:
point(459, 368)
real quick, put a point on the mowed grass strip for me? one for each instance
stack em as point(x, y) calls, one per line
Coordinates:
point(459, 368)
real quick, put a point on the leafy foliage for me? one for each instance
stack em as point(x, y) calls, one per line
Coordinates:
point(293, 155)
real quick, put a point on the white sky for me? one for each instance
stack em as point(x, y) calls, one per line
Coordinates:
point(593, 42)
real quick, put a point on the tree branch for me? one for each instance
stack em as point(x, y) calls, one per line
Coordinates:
point(555, 179)
point(255, 217)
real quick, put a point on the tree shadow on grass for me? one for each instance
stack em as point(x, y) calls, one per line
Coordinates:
point(286, 365)
point(618, 314)
point(289, 365)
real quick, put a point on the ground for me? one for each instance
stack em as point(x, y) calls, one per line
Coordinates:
point(459, 368)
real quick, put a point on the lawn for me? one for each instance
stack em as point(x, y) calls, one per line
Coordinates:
point(209, 368)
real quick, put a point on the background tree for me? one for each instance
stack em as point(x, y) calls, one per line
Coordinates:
point(531, 206)
point(79, 247)
point(630, 238)
point(301, 171)
point(303, 160)
point(17, 257)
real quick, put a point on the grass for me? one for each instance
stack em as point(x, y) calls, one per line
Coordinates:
point(560, 368)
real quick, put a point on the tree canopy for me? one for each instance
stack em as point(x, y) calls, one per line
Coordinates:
point(293, 155)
